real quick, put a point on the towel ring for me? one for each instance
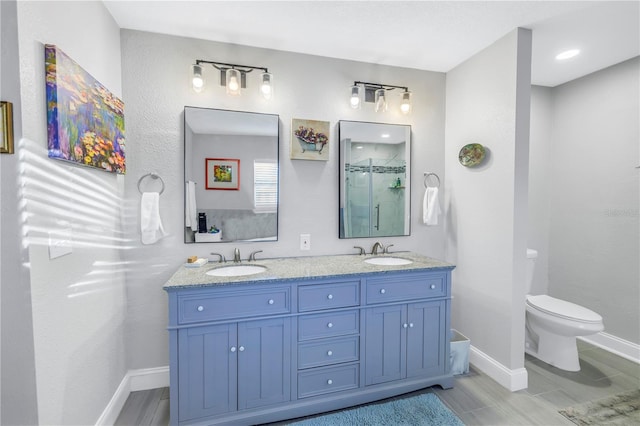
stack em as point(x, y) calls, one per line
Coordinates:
point(426, 176)
point(153, 176)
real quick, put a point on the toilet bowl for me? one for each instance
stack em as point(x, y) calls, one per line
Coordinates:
point(552, 326)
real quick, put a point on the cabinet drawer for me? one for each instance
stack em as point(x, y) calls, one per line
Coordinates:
point(328, 325)
point(225, 304)
point(328, 351)
point(405, 288)
point(326, 380)
point(329, 295)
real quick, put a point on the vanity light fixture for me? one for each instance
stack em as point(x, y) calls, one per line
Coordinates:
point(233, 77)
point(378, 94)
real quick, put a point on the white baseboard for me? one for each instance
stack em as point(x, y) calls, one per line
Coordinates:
point(615, 345)
point(513, 380)
point(133, 380)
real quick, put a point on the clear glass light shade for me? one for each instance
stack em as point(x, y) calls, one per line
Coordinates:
point(405, 105)
point(234, 82)
point(355, 99)
point(266, 85)
point(197, 80)
point(381, 100)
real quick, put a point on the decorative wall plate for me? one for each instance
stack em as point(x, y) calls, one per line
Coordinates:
point(471, 155)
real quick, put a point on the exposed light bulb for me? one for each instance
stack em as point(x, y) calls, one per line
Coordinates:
point(405, 106)
point(197, 81)
point(233, 82)
point(355, 97)
point(266, 88)
point(381, 100)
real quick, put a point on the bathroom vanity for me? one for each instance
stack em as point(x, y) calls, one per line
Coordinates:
point(304, 336)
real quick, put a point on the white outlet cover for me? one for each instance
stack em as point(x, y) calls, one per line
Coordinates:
point(59, 243)
point(305, 241)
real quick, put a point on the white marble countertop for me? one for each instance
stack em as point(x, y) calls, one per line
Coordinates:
point(295, 268)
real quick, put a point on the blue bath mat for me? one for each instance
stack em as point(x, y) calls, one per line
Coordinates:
point(421, 410)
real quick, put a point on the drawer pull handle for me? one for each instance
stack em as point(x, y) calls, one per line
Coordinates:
point(271, 301)
point(329, 382)
point(233, 348)
point(330, 325)
point(410, 325)
point(241, 348)
point(329, 353)
point(383, 291)
point(405, 325)
point(433, 286)
point(200, 308)
point(330, 296)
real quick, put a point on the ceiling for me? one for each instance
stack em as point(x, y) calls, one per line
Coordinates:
point(427, 35)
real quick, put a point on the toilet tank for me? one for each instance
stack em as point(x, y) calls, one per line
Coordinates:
point(532, 255)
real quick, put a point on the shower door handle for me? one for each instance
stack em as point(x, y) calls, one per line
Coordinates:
point(377, 217)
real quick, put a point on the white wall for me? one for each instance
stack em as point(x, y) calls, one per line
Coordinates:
point(486, 206)
point(594, 233)
point(78, 299)
point(307, 87)
point(18, 397)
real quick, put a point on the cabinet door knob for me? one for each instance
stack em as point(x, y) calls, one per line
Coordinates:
point(241, 348)
point(433, 286)
point(329, 353)
point(405, 325)
point(383, 291)
point(330, 296)
point(329, 382)
point(330, 325)
point(271, 301)
point(233, 348)
point(200, 308)
point(410, 325)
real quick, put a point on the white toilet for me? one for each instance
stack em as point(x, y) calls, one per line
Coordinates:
point(553, 325)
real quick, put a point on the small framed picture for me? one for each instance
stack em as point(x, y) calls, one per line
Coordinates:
point(6, 128)
point(309, 140)
point(222, 173)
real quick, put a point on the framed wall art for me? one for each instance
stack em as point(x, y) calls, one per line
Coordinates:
point(309, 140)
point(222, 173)
point(6, 128)
point(85, 121)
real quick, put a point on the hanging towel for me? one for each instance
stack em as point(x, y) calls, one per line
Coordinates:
point(191, 211)
point(430, 207)
point(151, 229)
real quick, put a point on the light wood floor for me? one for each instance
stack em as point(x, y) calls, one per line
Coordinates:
point(475, 398)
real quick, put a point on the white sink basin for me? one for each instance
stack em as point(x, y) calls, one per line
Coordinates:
point(388, 261)
point(236, 270)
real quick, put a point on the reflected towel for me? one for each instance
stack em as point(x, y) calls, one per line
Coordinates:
point(191, 211)
point(151, 229)
point(430, 207)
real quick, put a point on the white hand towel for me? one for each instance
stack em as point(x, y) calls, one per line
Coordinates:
point(191, 211)
point(430, 207)
point(151, 229)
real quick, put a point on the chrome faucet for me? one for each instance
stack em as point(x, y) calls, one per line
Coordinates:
point(252, 256)
point(221, 256)
point(376, 246)
point(236, 256)
point(362, 251)
point(386, 249)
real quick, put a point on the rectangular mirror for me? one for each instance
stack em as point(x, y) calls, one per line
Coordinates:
point(375, 179)
point(231, 175)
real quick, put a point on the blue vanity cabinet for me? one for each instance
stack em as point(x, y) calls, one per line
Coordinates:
point(406, 340)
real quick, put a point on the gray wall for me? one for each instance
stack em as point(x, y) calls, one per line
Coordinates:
point(592, 193)
point(486, 207)
point(307, 87)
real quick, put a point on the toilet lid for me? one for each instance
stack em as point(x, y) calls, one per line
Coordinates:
point(562, 308)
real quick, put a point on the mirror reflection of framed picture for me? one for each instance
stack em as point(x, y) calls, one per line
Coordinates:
point(222, 173)
point(6, 128)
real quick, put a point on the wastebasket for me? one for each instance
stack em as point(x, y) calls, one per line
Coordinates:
point(459, 353)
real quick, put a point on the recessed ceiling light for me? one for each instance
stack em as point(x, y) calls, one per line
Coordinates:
point(385, 135)
point(358, 146)
point(567, 54)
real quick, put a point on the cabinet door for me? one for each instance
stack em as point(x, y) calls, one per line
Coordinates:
point(208, 364)
point(385, 348)
point(264, 362)
point(425, 338)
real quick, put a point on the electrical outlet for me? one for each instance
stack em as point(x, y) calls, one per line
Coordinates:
point(305, 241)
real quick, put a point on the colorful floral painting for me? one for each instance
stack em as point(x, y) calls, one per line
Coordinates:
point(222, 173)
point(85, 122)
point(309, 140)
